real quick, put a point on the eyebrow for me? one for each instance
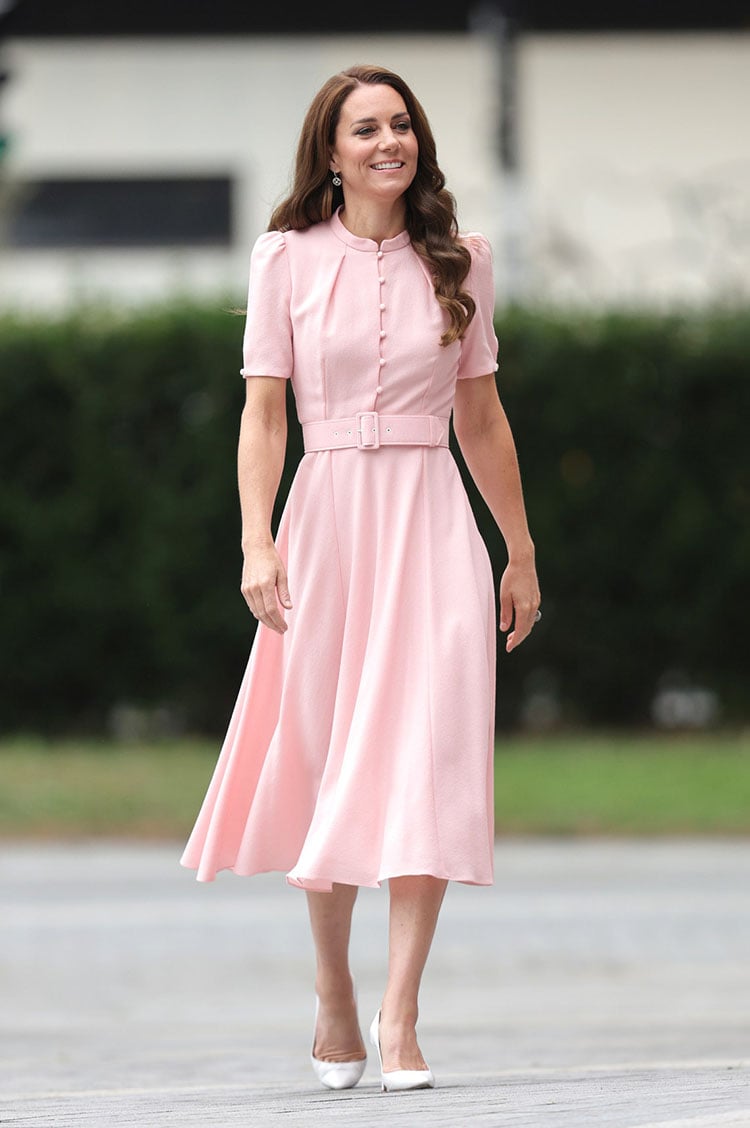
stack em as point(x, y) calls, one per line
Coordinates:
point(367, 120)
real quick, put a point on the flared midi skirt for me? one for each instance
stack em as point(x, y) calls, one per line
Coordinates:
point(361, 744)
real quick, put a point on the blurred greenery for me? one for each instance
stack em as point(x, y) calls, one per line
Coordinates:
point(591, 783)
point(120, 528)
point(614, 783)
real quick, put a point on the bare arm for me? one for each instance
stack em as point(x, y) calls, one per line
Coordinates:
point(260, 461)
point(488, 448)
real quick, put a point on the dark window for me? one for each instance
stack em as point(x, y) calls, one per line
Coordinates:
point(121, 212)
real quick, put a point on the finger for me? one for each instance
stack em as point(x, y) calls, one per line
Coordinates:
point(283, 589)
point(506, 610)
point(271, 612)
point(248, 597)
point(524, 622)
point(280, 589)
point(261, 599)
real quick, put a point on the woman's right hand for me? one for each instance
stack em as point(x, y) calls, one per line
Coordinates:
point(263, 576)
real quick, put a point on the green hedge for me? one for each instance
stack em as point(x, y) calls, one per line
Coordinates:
point(120, 560)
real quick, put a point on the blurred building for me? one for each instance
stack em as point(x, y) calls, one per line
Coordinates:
point(603, 150)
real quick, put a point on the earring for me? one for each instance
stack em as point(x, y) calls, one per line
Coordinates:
point(336, 180)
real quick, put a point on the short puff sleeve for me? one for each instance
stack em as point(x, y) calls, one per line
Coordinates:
point(267, 340)
point(479, 344)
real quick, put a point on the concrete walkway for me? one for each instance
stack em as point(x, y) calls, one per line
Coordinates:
point(598, 982)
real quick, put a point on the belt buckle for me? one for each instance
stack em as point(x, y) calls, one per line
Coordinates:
point(368, 430)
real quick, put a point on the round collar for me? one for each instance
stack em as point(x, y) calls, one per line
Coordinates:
point(360, 244)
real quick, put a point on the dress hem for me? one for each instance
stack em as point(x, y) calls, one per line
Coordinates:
point(322, 884)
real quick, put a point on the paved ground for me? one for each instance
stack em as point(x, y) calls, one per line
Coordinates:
point(598, 982)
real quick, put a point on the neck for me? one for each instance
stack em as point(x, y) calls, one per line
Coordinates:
point(374, 221)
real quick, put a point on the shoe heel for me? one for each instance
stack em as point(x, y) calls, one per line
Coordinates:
point(398, 1080)
point(336, 1074)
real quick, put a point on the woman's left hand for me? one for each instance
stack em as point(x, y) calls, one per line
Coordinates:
point(519, 602)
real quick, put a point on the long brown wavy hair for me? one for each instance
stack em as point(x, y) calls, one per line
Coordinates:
point(430, 208)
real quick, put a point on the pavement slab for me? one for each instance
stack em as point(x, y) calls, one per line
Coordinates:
point(599, 981)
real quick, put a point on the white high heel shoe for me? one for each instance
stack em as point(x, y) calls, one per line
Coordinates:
point(397, 1080)
point(336, 1074)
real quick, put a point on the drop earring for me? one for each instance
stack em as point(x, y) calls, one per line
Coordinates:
point(336, 180)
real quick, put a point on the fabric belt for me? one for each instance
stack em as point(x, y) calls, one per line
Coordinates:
point(369, 430)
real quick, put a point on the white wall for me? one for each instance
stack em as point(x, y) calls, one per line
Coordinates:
point(635, 179)
point(636, 151)
point(213, 106)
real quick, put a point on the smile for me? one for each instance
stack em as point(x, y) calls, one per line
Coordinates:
point(388, 164)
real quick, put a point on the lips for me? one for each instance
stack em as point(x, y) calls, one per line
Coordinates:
point(383, 166)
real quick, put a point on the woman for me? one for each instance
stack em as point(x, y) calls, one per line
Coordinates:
point(361, 745)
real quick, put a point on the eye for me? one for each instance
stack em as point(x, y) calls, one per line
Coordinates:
point(403, 126)
point(364, 131)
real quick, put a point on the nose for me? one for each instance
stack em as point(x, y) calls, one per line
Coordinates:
point(388, 140)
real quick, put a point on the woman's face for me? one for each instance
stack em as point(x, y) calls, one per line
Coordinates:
point(375, 149)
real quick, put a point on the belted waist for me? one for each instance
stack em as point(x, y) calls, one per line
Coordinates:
point(369, 430)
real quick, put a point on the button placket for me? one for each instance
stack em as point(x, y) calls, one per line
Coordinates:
point(381, 335)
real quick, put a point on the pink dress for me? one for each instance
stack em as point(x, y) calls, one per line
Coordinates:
point(361, 743)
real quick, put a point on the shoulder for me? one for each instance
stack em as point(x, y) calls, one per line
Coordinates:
point(296, 236)
point(268, 246)
point(478, 245)
point(481, 276)
point(291, 243)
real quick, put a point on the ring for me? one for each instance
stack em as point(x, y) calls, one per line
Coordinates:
point(537, 617)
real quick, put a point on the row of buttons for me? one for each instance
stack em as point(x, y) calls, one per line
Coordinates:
point(381, 360)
